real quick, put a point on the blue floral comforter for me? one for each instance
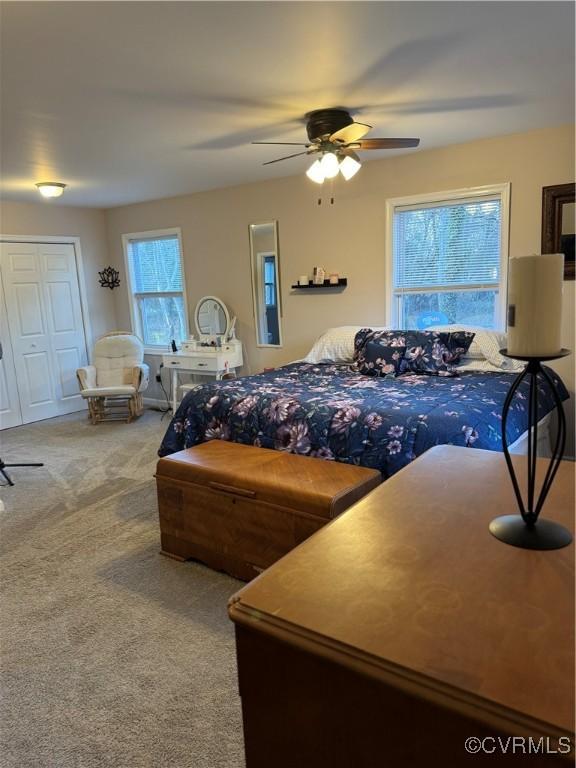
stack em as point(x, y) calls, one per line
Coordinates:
point(333, 412)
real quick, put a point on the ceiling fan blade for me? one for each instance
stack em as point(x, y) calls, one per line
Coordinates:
point(431, 106)
point(347, 152)
point(384, 143)
point(283, 143)
point(279, 159)
point(352, 132)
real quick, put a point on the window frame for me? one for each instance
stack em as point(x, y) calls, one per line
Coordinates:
point(451, 196)
point(134, 296)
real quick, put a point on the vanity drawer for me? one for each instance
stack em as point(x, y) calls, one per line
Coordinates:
point(196, 363)
point(204, 364)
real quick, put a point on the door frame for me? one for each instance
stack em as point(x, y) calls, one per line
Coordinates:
point(7, 345)
point(65, 240)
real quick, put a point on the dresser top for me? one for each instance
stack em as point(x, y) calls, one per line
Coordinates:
point(411, 583)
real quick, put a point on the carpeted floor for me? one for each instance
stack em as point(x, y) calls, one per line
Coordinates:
point(111, 655)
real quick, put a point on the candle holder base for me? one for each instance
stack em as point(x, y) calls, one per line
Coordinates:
point(544, 534)
point(527, 530)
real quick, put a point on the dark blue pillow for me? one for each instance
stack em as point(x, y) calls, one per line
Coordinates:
point(434, 352)
point(379, 353)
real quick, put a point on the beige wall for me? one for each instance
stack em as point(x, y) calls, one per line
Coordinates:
point(54, 219)
point(347, 237)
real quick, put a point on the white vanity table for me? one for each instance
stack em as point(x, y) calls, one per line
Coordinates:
point(201, 357)
point(205, 361)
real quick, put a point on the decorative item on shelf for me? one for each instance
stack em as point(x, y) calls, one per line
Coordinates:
point(303, 280)
point(318, 275)
point(109, 278)
point(534, 317)
point(333, 278)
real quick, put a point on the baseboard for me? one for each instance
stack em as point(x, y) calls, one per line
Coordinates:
point(156, 402)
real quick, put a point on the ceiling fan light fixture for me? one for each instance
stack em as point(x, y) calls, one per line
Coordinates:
point(51, 188)
point(330, 165)
point(349, 167)
point(315, 172)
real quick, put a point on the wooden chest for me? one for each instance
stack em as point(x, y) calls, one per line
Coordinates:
point(239, 508)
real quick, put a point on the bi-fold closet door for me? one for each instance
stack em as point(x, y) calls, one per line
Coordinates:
point(43, 340)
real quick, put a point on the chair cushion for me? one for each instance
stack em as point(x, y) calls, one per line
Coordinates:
point(114, 358)
point(126, 390)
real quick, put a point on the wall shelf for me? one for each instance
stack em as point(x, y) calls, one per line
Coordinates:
point(342, 283)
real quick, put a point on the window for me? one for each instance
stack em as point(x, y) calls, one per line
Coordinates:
point(447, 258)
point(156, 284)
point(270, 280)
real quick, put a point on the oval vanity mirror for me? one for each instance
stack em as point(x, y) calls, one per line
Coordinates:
point(212, 317)
point(265, 269)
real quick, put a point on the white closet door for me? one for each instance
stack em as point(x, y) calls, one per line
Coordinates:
point(45, 321)
point(10, 414)
point(64, 321)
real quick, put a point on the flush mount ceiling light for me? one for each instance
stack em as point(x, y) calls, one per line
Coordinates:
point(51, 188)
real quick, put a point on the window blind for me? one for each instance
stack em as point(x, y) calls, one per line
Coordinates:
point(156, 265)
point(447, 244)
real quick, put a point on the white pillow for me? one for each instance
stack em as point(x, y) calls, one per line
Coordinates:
point(469, 364)
point(336, 345)
point(486, 345)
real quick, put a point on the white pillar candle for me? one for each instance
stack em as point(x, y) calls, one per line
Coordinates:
point(303, 280)
point(535, 305)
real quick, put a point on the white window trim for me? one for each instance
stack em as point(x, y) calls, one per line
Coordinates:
point(134, 314)
point(502, 190)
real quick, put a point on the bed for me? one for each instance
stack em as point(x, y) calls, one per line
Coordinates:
point(330, 411)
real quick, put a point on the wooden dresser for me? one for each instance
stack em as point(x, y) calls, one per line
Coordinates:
point(404, 627)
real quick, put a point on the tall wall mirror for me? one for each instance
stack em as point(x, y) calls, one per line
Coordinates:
point(265, 268)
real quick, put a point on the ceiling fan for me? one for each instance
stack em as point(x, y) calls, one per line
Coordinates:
point(335, 136)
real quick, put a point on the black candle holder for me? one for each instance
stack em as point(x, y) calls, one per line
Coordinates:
point(526, 530)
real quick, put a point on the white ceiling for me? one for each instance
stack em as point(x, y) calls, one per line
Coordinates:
point(131, 101)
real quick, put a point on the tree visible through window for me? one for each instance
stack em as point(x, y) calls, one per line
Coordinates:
point(447, 262)
point(157, 285)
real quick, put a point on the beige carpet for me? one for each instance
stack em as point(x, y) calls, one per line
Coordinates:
point(110, 654)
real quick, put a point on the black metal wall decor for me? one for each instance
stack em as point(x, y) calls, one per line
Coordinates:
point(528, 530)
point(109, 278)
